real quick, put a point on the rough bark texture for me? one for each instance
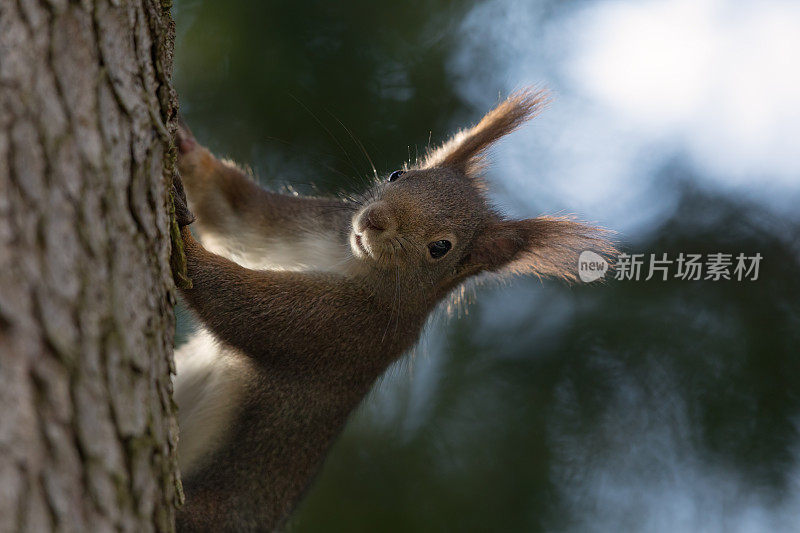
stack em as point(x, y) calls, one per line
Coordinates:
point(87, 434)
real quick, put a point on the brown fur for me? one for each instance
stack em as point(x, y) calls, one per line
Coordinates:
point(319, 339)
point(466, 149)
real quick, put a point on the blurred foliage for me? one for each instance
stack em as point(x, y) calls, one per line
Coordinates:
point(319, 88)
point(541, 393)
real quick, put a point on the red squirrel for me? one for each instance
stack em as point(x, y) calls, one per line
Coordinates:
point(304, 302)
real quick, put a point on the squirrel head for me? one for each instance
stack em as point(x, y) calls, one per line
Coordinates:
point(433, 223)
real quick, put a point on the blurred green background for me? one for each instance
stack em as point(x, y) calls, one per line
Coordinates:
point(629, 406)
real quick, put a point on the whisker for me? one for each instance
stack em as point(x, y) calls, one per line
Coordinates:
point(318, 156)
point(358, 143)
point(399, 295)
point(328, 131)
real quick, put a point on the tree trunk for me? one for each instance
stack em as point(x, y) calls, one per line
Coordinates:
point(87, 433)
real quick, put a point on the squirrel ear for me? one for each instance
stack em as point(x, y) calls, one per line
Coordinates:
point(543, 246)
point(465, 149)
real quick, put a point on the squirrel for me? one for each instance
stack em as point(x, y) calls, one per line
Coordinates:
point(304, 302)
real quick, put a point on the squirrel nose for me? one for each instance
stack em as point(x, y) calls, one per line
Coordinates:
point(377, 218)
point(375, 221)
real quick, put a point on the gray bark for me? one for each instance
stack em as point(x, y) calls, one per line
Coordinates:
point(87, 433)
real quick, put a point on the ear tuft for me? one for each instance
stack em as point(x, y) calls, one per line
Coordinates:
point(466, 148)
point(542, 246)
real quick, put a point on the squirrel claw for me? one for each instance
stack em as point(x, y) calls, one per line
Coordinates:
point(183, 216)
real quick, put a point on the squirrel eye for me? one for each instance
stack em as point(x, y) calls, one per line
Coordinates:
point(396, 174)
point(439, 248)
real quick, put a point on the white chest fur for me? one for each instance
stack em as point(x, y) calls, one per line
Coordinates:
point(209, 385)
point(305, 251)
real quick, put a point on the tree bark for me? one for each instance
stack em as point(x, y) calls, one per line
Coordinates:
point(87, 433)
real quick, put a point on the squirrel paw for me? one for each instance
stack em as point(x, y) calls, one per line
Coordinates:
point(183, 216)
